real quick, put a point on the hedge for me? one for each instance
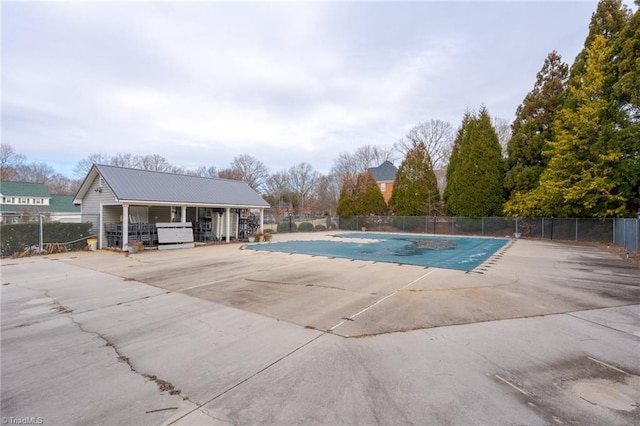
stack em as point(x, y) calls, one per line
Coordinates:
point(284, 226)
point(305, 227)
point(16, 238)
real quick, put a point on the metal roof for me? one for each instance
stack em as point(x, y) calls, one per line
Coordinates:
point(23, 189)
point(149, 186)
point(385, 172)
point(63, 203)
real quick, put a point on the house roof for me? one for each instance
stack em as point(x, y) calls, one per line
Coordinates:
point(130, 185)
point(385, 172)
point(63, 204)
point(23, 189)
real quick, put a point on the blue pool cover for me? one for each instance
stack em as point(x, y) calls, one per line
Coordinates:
point(459, 253)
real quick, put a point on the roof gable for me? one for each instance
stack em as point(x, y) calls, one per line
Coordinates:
point(385, 172)
point(148, 186)
point(24, 189)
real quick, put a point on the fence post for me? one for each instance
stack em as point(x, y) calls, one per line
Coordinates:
point(576, 229)
point(40, 235)
point(483, 225)
point(613, 237)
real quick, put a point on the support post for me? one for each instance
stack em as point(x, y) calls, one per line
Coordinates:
point(125, 227)
point(262, 221)
point(183, 214)
point(41, 236)
point(228, 223)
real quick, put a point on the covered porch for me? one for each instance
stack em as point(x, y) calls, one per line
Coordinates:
point(122, 224)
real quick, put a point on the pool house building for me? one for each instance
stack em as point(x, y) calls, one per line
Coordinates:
point(128, 205)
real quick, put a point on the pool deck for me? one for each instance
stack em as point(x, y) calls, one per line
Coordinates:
point(541, 333)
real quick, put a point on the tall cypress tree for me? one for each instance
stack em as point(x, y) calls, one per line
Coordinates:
point(626, 105)
point(474, 175)
point(415, 190)
point(579, 178)
point(585, 154)
point(532, 128)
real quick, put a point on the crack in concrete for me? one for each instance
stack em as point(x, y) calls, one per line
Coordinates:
point(163, 385)
point(246, 379)
point(305, 285)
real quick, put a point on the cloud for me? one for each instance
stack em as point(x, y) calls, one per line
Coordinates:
point(202, 82)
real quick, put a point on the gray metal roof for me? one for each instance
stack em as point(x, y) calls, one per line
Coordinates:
point(144, 185)
point(385, 172)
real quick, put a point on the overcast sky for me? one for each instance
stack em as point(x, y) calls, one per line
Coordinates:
point(202, 82)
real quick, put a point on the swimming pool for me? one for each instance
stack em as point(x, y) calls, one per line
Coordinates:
point(460, 253)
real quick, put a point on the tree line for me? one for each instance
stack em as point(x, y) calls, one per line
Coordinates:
point(572, 150)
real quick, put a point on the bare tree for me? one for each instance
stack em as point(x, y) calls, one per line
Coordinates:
point(436, 135)
point(61, 185)
point(303, 181)
point(251, 170)
point(328, 193)
point(503, 130)
point(372, 156)
point(34, 172)
point(230, 174)
point(83, 166)
point(348, 166)
point(277, 185)
point(10, 160)
point(154, 162)
point(203, 171)
point(125, 160)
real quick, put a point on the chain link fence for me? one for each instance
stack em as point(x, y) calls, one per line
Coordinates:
point(623, 232)
point(571, 229)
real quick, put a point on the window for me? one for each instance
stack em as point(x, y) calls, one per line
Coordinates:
point(383, 187)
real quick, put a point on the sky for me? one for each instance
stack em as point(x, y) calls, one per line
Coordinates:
point(202, 82)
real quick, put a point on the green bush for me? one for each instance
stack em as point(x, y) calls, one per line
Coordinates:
point(15, 238)
point(284, 227)
point(305, 227)
point(319, 228)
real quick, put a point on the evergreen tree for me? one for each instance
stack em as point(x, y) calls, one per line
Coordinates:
point(532, 128)
point(607, 21)
point(474, 175)
point(369, 199)
point(579, 178)
point(361, 198)
point(626, 106)
point(347, 201)
point(415, 190)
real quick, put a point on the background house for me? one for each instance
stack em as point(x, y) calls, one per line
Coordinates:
point(385, 175)
point(122, 201)
point(26, 201)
